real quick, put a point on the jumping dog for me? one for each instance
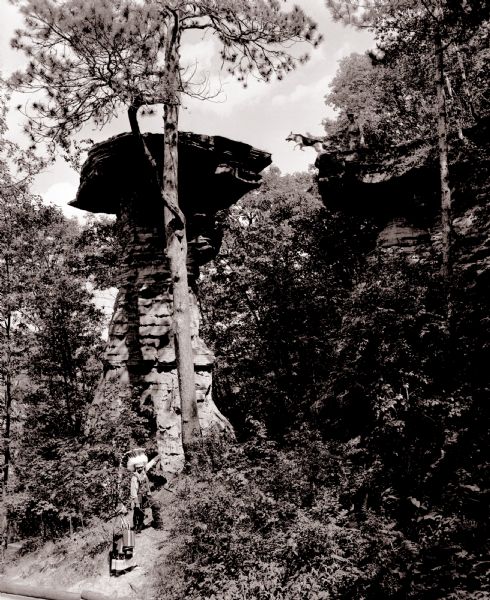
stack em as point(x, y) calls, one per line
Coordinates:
point(304, 140)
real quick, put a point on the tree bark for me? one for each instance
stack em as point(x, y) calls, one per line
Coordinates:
point(176, 249)
point(456, 110)
point(446, 200)
point(4, 525)
point(466, 89)
point(6, 459)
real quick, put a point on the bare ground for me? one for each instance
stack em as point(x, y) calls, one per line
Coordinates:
point(81, 561)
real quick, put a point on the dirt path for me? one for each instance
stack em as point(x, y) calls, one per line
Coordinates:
point(81, 562)
point(137, 582)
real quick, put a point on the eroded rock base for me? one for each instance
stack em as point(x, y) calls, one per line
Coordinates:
point(140, 371)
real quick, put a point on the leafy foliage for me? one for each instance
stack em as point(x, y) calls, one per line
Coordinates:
point(393, 103)
point(396, 406)
point(273, 525)
point(49, 343)
point(101, 246)
point(391, 90)
point(271, 297)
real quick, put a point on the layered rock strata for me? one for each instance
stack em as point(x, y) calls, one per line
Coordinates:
point(398, 191)
point(139, 367)
point(399, 188)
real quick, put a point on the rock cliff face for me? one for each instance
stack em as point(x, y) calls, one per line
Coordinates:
point(399, 189)
point(139, 360)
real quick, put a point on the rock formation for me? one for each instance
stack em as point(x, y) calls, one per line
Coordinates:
point(399, 188)
point(139, 369)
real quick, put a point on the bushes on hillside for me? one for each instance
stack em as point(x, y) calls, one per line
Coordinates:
point(274, 523)
point(395, 479)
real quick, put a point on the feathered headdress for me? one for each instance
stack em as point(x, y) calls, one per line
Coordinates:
point(136, 457)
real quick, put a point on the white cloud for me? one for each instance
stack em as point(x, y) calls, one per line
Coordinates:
point(59, 194)
point(344, 50)
point(199, 55)
point(303, 92)
point(318, 88)
point(230, 95)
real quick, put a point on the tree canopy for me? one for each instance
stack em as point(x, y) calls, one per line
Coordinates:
point(93, 59)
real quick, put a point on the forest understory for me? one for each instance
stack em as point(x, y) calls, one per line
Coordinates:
point(346, 309)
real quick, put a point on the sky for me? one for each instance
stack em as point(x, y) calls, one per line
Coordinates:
point(263, 114)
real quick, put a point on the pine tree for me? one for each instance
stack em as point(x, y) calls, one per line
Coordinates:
point(94, 58)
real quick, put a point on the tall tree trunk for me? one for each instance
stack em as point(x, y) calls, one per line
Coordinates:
point(176, 238)
point(446, 201)
point(456, 110)
point(6, 444)
point(466, 89)
point(4, 525)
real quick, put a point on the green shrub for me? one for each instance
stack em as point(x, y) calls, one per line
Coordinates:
point(276, 528)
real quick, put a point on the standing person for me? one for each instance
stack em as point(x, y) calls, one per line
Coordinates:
point(355, 132)
point(141, 496)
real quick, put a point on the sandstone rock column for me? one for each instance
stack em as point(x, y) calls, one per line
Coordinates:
point(139, 367)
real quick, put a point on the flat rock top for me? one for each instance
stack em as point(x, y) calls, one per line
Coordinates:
point(115, 168)
point(398, 180)
point(380, 165)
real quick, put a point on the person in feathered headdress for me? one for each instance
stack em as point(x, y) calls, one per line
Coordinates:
point(141, 496)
